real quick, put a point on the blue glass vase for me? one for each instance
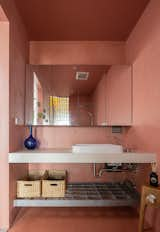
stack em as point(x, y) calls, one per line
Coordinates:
point(30, 143)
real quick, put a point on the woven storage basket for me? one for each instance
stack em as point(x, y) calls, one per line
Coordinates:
point(30, 187)
point(55, 184)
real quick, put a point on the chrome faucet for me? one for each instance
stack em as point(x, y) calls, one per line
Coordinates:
point(101, 171)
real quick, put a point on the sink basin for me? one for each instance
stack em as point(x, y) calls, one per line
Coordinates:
point(97, 148)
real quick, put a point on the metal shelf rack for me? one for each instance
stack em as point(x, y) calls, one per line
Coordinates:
point(89, 195)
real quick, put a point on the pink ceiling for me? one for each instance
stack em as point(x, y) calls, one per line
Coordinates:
point(60, 80)
point(80, 19)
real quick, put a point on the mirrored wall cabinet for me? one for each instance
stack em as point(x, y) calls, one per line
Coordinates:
point(78, 95)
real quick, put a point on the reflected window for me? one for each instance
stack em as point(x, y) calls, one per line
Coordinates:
point(37, 100)
point(59, 110)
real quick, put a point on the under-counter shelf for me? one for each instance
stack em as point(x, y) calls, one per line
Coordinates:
point(66, 156)
point(88, 195)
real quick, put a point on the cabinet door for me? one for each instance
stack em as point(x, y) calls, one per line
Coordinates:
point(119, 95)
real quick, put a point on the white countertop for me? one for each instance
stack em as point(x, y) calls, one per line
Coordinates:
point(66, 156)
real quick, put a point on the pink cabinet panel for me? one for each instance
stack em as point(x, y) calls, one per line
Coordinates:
point(119, 95)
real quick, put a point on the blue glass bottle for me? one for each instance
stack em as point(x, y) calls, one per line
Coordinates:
point(30, 143)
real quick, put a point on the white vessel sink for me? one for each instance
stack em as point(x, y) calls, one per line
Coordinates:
point(97, 148)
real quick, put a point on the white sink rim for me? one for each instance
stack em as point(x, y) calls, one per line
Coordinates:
point(97, 148)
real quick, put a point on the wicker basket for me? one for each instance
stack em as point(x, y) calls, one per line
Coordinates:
point(30, 187)
point(55, 184)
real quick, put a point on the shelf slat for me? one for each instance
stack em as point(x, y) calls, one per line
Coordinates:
point(72, 203)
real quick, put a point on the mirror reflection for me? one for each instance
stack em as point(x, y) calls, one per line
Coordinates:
point(77, 95)
point(63, 95)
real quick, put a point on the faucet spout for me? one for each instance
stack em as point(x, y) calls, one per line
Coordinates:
point(101, 171)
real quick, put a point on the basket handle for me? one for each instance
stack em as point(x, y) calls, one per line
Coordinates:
point(53, 184)
point(27, 184)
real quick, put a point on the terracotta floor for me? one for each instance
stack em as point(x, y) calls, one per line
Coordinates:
point(76, 220)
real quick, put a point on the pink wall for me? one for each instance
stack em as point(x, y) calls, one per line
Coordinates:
point(4, 123)
point(18, 57)
point(143, 51)
point(72, 52)
point(63, 137)
point(19, 53)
